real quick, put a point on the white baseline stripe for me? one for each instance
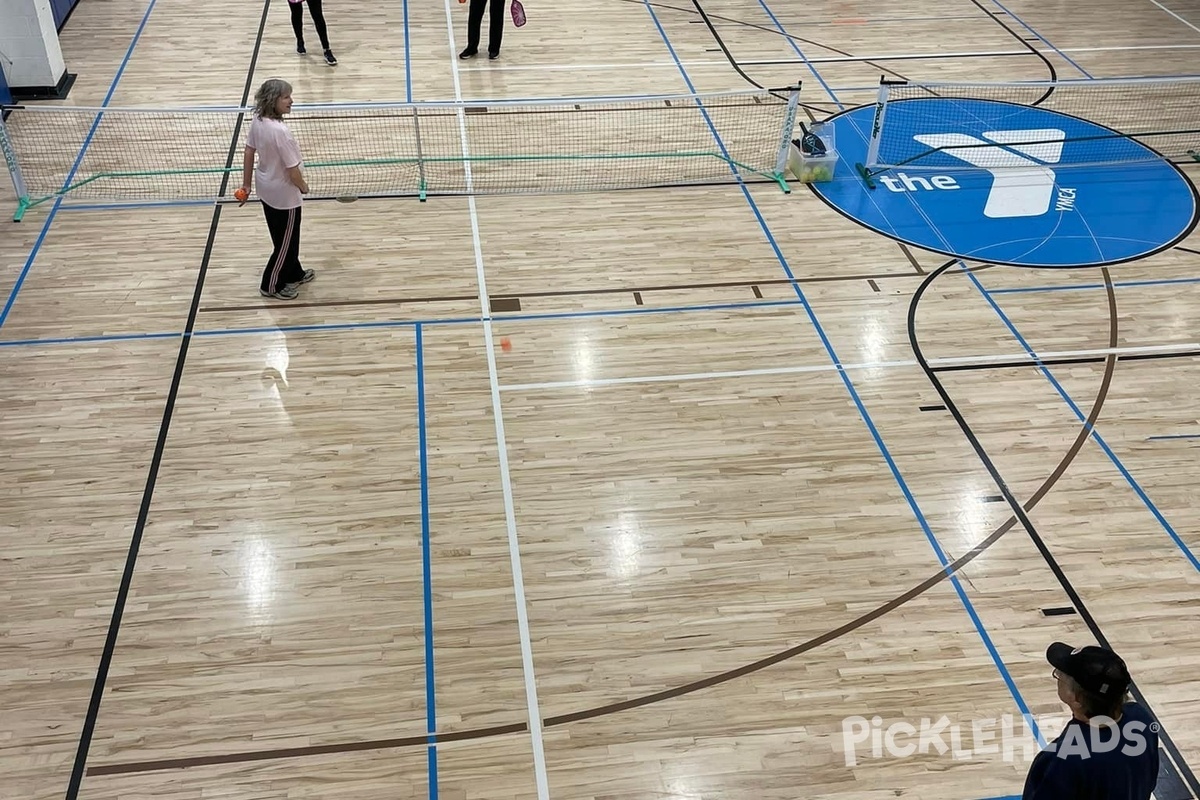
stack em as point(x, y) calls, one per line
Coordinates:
point(870, 365)
point(829, 60)
point(968, 54)
point(590, 67)
point(510, 518)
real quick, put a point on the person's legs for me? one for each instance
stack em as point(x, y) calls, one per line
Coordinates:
point(297, 11)
point(496, 28)
point(318, 15)
point(292, 272)
point(474, 23)
point(283, 268)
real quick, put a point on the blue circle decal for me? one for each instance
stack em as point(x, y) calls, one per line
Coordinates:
point(1067, 201)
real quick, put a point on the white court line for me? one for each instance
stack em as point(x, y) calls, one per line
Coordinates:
point(510, 518)
point(1176, 16)
point(564, 67)
point(696, 376)
point(829, 60)
point(967, 54)
point(888, 57)
point(1116, 48)
point(870, 365)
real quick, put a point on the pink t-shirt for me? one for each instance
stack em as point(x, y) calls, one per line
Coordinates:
point(277, 153)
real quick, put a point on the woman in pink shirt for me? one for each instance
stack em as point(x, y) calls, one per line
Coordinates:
point(281, 187)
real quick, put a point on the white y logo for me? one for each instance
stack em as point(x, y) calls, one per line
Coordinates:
point(1021, 187)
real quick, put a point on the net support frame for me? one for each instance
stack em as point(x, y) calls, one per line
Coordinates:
point(885, 88)
point(785, 138)
point(422, 185)
point(872, 157)
point(14, 172)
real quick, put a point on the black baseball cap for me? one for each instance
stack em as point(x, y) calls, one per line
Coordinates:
point(1094, 668)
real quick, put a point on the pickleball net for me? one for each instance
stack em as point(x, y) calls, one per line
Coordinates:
point(138, 155)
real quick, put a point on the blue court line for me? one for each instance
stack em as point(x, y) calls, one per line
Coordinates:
point(1029, 28)
point(795, 47)
point(350, 326)
point(1174, 436)
point(862, 410)
point(1095, 434)
point(408, 97)
point(1089, 286)
point(37, 245)
point(114, 337)
point(427, 581)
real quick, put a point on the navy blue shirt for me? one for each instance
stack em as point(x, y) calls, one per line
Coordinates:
point(1087, 762)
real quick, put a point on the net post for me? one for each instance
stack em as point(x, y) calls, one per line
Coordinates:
point(422, 187)
point(785, 137)
point(877, 124)
point(14, 168)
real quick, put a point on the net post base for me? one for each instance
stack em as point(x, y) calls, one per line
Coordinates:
point(865, 174)
point(22, 205)
point(782, 181)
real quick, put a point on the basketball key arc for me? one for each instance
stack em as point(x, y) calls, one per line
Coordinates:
point(1012, 184)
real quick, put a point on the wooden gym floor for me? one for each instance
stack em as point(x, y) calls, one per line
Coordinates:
point(334, 527)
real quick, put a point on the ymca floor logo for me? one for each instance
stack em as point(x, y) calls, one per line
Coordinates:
point(1010, 184)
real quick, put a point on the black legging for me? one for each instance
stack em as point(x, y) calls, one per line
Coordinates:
point(495, 25)
point(314, 8)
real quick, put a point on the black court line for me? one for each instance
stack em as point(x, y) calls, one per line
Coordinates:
point(702, 684)
point(995, 17)
point(808, 109)
point(139, 528)
point(873, 61)
point(1063, 362)
point(1175, 771)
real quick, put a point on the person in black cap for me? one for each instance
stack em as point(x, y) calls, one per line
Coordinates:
point(1109, 749)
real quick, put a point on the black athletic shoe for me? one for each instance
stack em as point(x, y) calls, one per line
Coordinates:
point(468, 53)
point(493, 55)
point(330, 59)
point(300, 47)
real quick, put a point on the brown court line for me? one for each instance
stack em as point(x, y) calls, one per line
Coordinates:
point(565, 292)
point(911, 258)
point(695, 686)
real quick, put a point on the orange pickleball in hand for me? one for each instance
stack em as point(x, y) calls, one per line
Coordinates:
point(241, 194)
